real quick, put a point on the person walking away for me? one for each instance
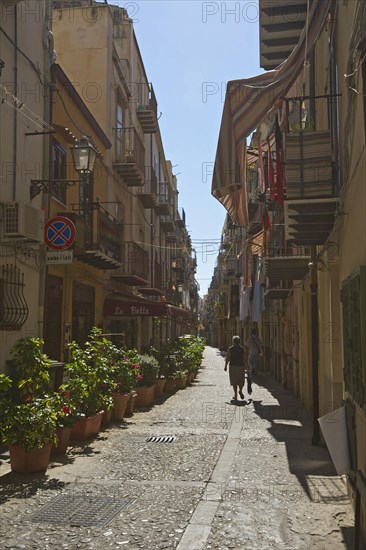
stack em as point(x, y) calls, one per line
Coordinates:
point(255, 348)
point(235, 359)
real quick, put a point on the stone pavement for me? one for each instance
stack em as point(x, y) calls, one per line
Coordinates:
point(235, 476)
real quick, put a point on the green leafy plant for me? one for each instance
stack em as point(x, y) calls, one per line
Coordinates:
point(91, 382)
point(124, 370)
point(181, 373)
point(30, 425)
point(64, 408)
point(5, 396)
point(167, 359)
point(32, 369)
point(149, 370)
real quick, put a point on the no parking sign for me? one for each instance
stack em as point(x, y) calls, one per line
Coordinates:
point(59, 233)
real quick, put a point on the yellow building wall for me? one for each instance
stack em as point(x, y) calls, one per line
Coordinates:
point(349, 234)
point(84, 55)
point(305, 338)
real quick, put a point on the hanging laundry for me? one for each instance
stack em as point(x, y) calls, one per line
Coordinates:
point(279, 163)
point(261, 179)
point(271, 179)
point(266, 229)
point(258, 301)
point(242, 298)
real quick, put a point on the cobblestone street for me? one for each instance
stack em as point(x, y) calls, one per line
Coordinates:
point(234, 477)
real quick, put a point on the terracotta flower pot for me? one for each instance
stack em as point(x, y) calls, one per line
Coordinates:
point(170, 385)
point(145, 396)
point(159, 386)
point(120, 404)
point(107, 417)
point(29, 462)
point(87, 427)
point(63, 435)
point(181, 383)
point(131, 404)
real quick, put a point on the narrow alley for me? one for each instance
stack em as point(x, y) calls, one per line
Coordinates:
point(230, 476)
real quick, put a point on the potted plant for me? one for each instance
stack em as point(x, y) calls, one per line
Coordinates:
point(190, 351)
point(29, 430)
point(31, 369)
point(90, 383)
point(169, 368)
point(66, 416)
point(28, 423)
point(5, 398)
point(125, 374)
point(161, 378)
point(181, 379)
point(145, 389)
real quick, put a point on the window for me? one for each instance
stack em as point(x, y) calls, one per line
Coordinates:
point(353, 296)
point(13, 306)
point(119, 136)
point(140, 99)
point(58, 172)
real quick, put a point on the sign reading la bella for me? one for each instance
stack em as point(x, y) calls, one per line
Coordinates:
point(132, 310)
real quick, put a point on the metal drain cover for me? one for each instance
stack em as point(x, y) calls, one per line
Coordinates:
point(160, 438)
point(79, 510)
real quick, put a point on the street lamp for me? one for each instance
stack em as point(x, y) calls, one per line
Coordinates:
point(84, 155)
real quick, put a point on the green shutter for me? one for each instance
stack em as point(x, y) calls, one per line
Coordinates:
point(353, 296)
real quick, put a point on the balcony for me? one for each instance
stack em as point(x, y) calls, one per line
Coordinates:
point(172, 237)
point(167, 223)
point(173, 296)
point(232, 268)
point(287, 264)
point(311, 187)
point(156, 288)
point(163, 207)
point(178, 265)
point(147, 112)
point(98, 237)
point(135, 268)
point(129, 156)
point(180, 219)
point(147, 193)
point(278, 293)
point(280, 26)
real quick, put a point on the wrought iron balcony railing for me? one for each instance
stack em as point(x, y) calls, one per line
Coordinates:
point(135, 268)
point(129, 156)
point(147, 108)
point(98, 236)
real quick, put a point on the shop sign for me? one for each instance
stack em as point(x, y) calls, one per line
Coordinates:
point(59, 257)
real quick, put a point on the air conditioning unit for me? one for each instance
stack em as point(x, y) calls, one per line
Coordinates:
point(22, 221)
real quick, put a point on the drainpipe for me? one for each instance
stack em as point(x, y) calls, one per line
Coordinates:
point(315, 345)
point(46, 156)
point(15, 119)
point(152, 255)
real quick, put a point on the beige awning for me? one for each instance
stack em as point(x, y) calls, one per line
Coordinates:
point(249, 102)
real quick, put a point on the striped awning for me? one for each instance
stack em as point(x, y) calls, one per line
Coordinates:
point(249, 102)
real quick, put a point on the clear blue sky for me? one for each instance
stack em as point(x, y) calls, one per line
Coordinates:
point(190, 50)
